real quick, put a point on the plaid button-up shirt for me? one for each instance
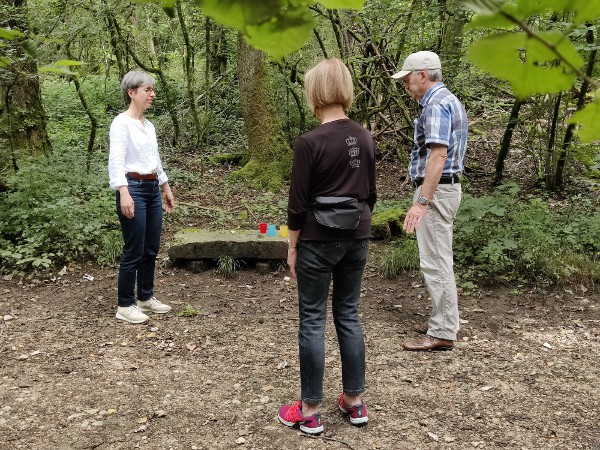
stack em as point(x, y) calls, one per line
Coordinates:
point(443, 120)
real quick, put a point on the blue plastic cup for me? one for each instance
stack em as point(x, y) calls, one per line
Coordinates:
point(271, 230)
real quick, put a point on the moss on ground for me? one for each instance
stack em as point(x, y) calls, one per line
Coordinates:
point(387, 224)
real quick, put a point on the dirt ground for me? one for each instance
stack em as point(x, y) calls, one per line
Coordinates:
point(524, 374)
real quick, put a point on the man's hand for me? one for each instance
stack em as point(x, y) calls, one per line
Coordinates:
point(413, 218)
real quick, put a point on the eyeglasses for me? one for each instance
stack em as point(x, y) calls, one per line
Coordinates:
point(404, 80)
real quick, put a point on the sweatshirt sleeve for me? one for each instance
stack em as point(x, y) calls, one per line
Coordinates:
point(298, 201)
point(372, 198)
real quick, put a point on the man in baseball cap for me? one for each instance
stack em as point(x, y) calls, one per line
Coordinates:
point(423, 60)
point(436, 165)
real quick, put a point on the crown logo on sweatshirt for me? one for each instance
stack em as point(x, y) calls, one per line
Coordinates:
point(351, 140)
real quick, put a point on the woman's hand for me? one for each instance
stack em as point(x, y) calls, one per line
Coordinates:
point(127, 207)
point(168, 199)
point(291, 260)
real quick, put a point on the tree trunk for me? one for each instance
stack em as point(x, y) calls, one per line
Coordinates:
point(216, 44)
point(270, 156)
point(506, 138)
point(453, 19)
point(90, 114)
point(188, 59)
point(549, 172)
point(116, 45)
point(562, 157)
point(20, 88)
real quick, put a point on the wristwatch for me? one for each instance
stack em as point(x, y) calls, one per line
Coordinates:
point(423, 201)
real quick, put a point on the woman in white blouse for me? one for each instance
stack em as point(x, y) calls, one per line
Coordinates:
point(137, 176)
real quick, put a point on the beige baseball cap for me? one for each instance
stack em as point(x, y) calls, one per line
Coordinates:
point(423, 60)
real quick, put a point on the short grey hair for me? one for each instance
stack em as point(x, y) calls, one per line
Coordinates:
point(133, 80)
point(434, 74)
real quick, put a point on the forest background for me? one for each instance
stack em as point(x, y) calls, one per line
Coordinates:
point(229, 80)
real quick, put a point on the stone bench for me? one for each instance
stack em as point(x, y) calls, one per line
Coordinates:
point(192, 246)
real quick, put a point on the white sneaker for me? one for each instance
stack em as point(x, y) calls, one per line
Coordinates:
point(131, 314)
point(153, 305)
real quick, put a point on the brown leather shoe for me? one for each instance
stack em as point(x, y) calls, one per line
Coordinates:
point(428, 343)
point(421, 328)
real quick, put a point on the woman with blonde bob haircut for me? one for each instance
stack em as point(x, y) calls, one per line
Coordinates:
point(328, 83)
point(334, 165)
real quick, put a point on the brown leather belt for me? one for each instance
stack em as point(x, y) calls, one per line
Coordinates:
point(142, 176)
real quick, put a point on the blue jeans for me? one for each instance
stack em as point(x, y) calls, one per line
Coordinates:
point(141, 238)
point(318, 262)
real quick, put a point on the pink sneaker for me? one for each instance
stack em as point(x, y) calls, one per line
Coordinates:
point(291, 416)
point(357, 413)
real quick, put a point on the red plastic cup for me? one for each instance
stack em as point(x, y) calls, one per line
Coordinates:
point(263, 228)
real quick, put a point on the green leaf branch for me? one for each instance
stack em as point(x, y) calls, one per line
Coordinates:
point(536, 62)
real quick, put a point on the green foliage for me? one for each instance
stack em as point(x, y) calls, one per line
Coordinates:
point(110, 248)
point(188, 311)
point(502, 237)
point(54, 213)
point(268, 207)
point(388, 223)
point(265, 175)
point(535, 62)
point(226, 158)
point(277, 27)
point(527, 63)
point(227, 266)
point(588, 118)
point(403, 256)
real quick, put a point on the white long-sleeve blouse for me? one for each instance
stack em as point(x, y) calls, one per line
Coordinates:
point(133, 148)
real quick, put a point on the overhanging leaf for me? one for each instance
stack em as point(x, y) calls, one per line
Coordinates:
point(588, 118)
point(283, 34)
point(342, 4)
point(529, 66)
point(530, 7)
point(585, 10)
point(5, 33)
point(57, 70)
point(497, 21)
point(484, 6)
point(29, 47)
point(168, 7)
point(4, 61)
point(240, 14)
point(68, 62)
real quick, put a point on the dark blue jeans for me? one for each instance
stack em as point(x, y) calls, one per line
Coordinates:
point(141, 237)
point(319, 262)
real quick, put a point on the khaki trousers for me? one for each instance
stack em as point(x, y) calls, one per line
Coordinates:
point(434, 238)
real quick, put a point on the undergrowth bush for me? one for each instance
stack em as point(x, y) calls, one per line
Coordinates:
point(54, 212)
point(403, 256)
point(503, 237)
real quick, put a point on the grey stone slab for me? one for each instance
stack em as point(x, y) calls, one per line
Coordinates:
point(194, 243)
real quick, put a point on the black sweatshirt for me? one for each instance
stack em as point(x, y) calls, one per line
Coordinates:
point(336, 159)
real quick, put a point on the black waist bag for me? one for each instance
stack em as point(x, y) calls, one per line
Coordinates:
point(342, 213)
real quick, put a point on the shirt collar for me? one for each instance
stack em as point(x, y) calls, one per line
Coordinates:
point(432, 90)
